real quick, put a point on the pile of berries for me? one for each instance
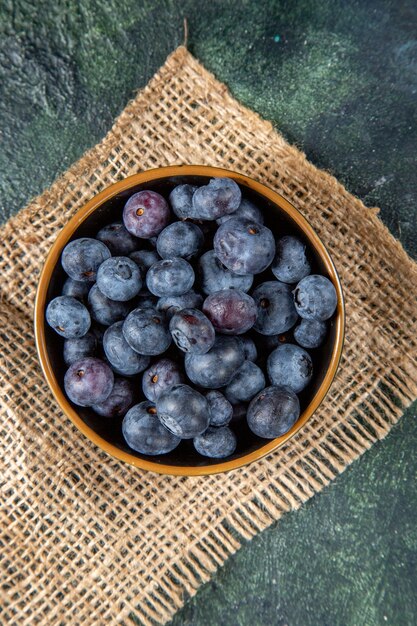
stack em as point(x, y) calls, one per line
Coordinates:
point(175, 320)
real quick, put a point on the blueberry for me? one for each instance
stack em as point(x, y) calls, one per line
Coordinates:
point(221, 411)
point(144, 432)
point(170, 277)
point(76, 289)
point(120, 355)
point(315, 298)
point(247, 210)
point(239, 413)
point(180, 239)
point(118, 240)
point(144, 259)
point(290, 366)
point(231, 311)
point(119, 400)
point(159, 377)
point(145, 214)
point(273, 412)
point(104, 310)
point(88, 381)
point(245, 384)
point(119, 278)
point(81, 258)
point(183, 410)
point(146, 331)
point(216, 368)
point(192, 331)
point(219, 197)
point(145, 300)
point(68, 317)
point(290, 264)
point(172, 304)
point(215, 276)
point(249, 347)
point(75, 349)
point(310, 333)
point(181, 199)
point(244, 246)
point(216, 443)
point(276, 312)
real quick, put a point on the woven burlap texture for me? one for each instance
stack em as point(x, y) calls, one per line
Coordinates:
point(88, 540)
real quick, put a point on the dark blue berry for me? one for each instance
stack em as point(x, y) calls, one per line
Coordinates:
point(220, 197)
point(216, 443)
point(104, 310)
point(146, 331)
point(159, 377)
point(310, 333)
point(119, 400)
point(120, 355)
point(119, 278)
point(81, 258)
point(88, 381)
point(78, 348)
point(221, 411)
point(192, 331)
point(180, 239)
point(144, 259)
point(273, 412)
point(231, 311)
point(214, 276)
point(290, 264)
point(145, 214)
point(290, 366)
point(68, 317)
point(181, 199)
point(145, 300)
point(144, 432)
point(217, 367)
point(247, 210)
point(118, 240)
point(275, 308)
point(245, 384)
point(76, 289)
point(315, 298)
point(251, 353)
point(170, 277)
point(172, 304)
point(239, 413)
point(184, 411)
point(244, 246)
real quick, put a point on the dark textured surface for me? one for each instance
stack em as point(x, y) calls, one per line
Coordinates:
point(339, 79)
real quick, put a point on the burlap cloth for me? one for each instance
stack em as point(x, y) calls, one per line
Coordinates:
point(86, 539)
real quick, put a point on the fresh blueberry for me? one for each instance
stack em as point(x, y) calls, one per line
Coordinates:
point(145, 300)
point(276, 312)
point(315, 298)
point(192, 331)
point(170, 277)
point(104, 310)
point(215, 276)
point(216, 443)
point(68, 317)
point(220, 197)
point(245, 384)
point(181, 199)
point(159, 377)
point(172, 304)
point(290, 264)
point(290, 366)
point(247, 210)
point(221, 411)
point(144, 432)
point(118, 240)
point(81, 258)
point(119, 278)
point(144, 259)
point(145, 214)
point(76, 289)
point(249, 347)
point(120, 355)
point(180, 239)
point(78, 348)
point(244, 246)
point(146, 331)
point(216, 368)
point(119, 400)
point(310, 333)
point(231, 311)
point(88, 381)
point(273, 412)
point(183, 410)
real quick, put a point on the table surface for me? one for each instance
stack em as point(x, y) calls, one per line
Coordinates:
point(338, 79)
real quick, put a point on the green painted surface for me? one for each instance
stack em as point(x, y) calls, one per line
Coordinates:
point(339, 79)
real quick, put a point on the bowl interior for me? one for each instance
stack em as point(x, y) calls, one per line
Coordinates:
point(110, 429)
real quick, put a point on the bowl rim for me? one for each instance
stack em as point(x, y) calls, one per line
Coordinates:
point(53, 257)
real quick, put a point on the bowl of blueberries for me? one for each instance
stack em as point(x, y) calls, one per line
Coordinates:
point(189, 320)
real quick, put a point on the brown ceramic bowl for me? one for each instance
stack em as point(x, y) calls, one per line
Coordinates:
point(106, 207)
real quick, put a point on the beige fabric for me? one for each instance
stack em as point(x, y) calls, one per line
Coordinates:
point(87, 540)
